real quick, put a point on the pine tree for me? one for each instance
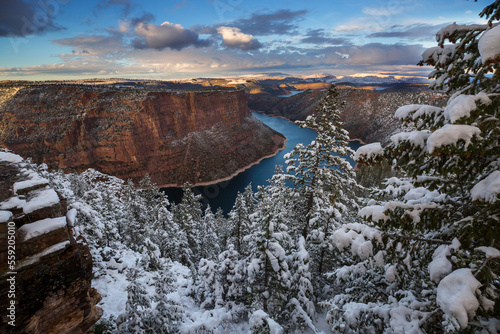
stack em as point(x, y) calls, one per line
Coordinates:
point(138, 304)
point(239, 218)
point(268, 272)
point(319, 170)
point(233, 281)
point(324, 183)
point(210, 291)
point(440, 224)
point(301, 304)
point(188, 216)
point(209, 247)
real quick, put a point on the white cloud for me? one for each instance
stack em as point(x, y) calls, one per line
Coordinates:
point(166, 35)
point(233, 38)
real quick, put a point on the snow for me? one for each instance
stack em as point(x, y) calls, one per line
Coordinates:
point(35, 258)
point(43, 226)
point(418, 109)
point(487, 189)
point(375, 212)
point(405, 320)
point(369, 151)
point(35, 181)
point(456, 295)
point(12, 203)
point(359, 237)
point(71, 217)
point(206, 322)
point(416, 138)
point(489, 44)
point(450, 135)
point(260, 318)
point(390, 274)
point(462, 106)
point(440, 266)
point(490, 252)
point(10, 157)
point(42, 199)
point(5, 216)
point(439, 54)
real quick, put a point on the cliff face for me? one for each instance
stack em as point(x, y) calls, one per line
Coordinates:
point(175, 137)
point(368, 114)
point(45, 273)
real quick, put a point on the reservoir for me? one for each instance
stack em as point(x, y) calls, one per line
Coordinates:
point(224, 193)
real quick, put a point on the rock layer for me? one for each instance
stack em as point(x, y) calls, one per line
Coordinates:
point(174, 136)
point(49, 281)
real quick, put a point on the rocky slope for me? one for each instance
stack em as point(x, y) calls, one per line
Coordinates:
point(174, 136)
point(45, 272)
point(368, 114)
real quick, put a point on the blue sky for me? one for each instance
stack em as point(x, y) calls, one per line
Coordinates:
point(64, 39)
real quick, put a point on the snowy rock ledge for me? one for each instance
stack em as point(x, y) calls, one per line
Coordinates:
point(53, 270)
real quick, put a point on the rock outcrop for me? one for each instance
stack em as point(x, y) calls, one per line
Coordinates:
point(368, 114)
point(174, 136)
point(45, 273)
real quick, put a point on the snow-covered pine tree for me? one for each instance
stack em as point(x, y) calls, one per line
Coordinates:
point(135, 319)
point(267, 268)
point(441, 229)
point(324, 180)
point(209, 290)
point(188, 216)
point(168, 315)
point(209, 247)
point(233, 281)
point(135, 229)
point(239, 218)
point(301, 308)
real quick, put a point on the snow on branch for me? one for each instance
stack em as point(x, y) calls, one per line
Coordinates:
point(489, 45)
point(450, 135)
point(368, 152)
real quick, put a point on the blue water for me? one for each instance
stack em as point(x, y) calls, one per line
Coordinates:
point(292, 93)
point(224, 193)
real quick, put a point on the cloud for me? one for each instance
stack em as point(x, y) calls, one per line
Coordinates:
point(276, 23)
point(90, 46)
point(233, 38)
point(127, 5)
point(20, 19)
point(280, 22)
point(318, 36)
point(166, 35)
point(91, 42)
point(212, 61)
point(414, 31)
point(182, 4)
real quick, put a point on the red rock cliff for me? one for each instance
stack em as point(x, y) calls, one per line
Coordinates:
point(175, 137)
point(45, 273)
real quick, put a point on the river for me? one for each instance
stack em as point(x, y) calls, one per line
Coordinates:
point(224, 193)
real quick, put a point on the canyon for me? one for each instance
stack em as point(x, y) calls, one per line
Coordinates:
point(368, 114)
point(174, 136)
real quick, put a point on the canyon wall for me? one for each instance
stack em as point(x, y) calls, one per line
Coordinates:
point(45, 270)
point(368, 114)
point(174, 136)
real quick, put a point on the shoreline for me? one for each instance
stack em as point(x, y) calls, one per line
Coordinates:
point(227, 178)
point(289, 120)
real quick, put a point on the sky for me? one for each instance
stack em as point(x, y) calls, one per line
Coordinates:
point(180, 39)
